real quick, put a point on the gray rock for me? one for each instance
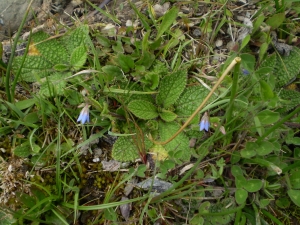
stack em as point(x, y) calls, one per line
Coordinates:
point(11, 15)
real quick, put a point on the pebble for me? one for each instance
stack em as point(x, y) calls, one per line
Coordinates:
point(11, 15)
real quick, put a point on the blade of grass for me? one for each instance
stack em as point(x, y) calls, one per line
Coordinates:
point(13, 49)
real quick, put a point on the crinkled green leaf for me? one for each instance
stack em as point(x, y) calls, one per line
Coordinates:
point(51, 50)
point(152, 79)
point(167, 116)
point(75, 38)
point(54, 84)
point(125, 62)
point(45, 54)
point(289, 99)
point(112, 72)
point(34, 67)
point(179, 144)
point(125, 150)
point(22, 150)
point(190, 99)
point(35, 148)
point(143, 109)
point(146, 59)
point(78, 57)
point(287, 67)
point(61, 67)
point(171, 87)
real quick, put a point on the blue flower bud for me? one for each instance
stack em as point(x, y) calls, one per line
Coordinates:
point(204, 123)
point(84, 115)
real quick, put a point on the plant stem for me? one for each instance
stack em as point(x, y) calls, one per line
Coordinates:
point(232, 97)
point(270, 216)
point(232, 64)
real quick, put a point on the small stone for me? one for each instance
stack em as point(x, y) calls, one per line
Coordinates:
point(219, 43)
point(125, 208)
point(12, 13)
point(160, 10)
point(196, 33)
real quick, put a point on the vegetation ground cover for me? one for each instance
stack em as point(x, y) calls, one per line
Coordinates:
point(177, 115)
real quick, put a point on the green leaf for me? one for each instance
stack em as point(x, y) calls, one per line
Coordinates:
point(286, 68)
point(253, 185)
point(168, 116)
point(259, 128)
point(263, 203)
point(293, 140)
point(61, 67)
point(54, 84)
point(190, 99)
point(171, 87)
point(283, 203)
point(258, 22)
point(167, 21)
point(146, 59)
point(240, 181)
point(152, 79)
point(75, 38)
point(240, 196)
point(143, 109)
point(112, 72)
point(159, 152)
point(22, 150)
point(249, 150)
point(276, 20)
point(295, 179)
point(125, 62)
point(262, 50)
point(266, 92)
point(268, 117)
point(125, 150)
point(7, 219)
point(179, 145)
point(245, 41)
point(31, 117)
point(45, 54)
point(295, 196)
point(140, 172)
point(264, 148)
point(248, 62)
point(24, 104)
point(78, 57)
point(236, 171)
point(35, 148)
point(15, 109)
